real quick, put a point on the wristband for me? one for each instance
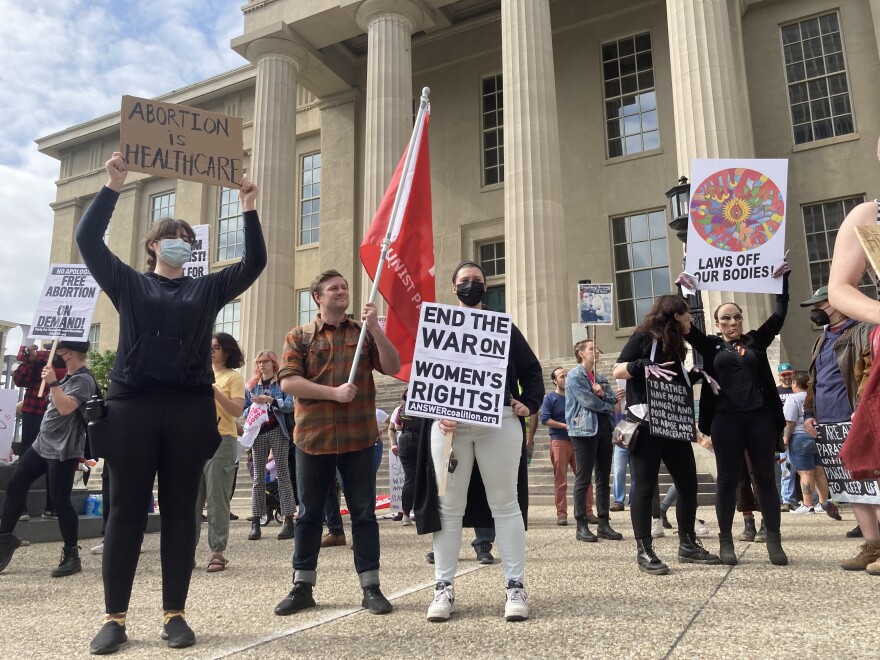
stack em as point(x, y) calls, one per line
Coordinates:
point(56, 383)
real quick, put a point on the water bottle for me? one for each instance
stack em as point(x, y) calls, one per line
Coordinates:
point(99, 505)
point(91, 501)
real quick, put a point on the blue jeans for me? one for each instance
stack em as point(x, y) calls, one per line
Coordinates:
point(621, 460)
point(483, 536)
point(331, 509)
point(787, 481)
point(379, 448)
point(315, 474)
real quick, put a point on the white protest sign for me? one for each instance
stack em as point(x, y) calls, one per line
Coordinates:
point(841, 485)
point(198, 262)
point(460, 365)
point(67, 305)
point(395, 480)
point(595, 305)
point(8, 399)
point(736, 233)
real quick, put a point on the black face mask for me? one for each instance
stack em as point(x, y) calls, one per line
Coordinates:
point(820, 317)
point(58, 362)
point(470, 292)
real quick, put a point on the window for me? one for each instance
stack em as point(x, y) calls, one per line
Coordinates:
point(307, 307)
point(821, 222)
point(815, 70)
point(630, 100)
point(230, 231)
point(162, 206)
point(493, 129)
point(310, 199)
point(94, 337)
point(229, 319)
point(490, 256)
point(641, 264)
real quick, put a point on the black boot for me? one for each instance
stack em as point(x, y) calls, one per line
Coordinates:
point(691, 551)
point(583, 532)
point(604, 530)
point(749, 531)
point(774, 549)
point(761, 536)
point(647, 560)
point(256, 533)
point(8, 544)
point(728, 552)
point(70, 562)
point(287, 529)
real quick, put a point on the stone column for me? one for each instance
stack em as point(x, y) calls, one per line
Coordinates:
point(268, 306)
point(388, 124)
point(537, 291)
point(710, 100)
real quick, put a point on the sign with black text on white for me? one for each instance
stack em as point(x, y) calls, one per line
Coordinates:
point(842, 486)
point(670, 409)
point(460, 364)
point(67, 305)
point(197, 266)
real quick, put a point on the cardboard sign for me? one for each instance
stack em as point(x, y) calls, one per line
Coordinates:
point(8, 399)
point(395, 480)
point(670, 409)
point(736, 233)
point(197, 266)
point(595, 304)
point(460, 365)
point(869, 237)
point(181, 142)
point(840, 482)
point(67, 305)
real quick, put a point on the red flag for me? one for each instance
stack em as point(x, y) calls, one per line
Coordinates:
point(408, 279)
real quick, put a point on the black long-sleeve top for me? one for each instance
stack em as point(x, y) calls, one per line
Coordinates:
point(165, 325)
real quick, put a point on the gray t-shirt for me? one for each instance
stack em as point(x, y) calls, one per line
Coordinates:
point(63, 437)
point(794, 410)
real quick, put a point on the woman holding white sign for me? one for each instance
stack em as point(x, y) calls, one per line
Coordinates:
point(657, 348)
point(160, 411)
point(496, 455)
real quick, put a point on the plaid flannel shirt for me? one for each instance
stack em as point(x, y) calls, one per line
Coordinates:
point(29, 376)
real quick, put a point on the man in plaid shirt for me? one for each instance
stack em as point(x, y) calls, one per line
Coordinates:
point(335, 428)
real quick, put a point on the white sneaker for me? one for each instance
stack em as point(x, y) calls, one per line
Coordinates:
point(98, 549)
point(405, 521)
point(517, 607)
point(657, 528)
point(701, 529)
point(803, 508)
point(443, 604)
point(818, 509)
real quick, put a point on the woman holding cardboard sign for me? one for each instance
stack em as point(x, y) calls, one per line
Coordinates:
point(160, 412)
point(657, 349)
point(745, 416)
point(484, 458)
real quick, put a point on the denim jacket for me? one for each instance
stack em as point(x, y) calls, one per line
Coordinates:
point(281, 407)
point(582, 406)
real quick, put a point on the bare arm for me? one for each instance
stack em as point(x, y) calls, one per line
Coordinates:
point(786, 433)
point(849, 264)
point(620, 371)
point(233, 406)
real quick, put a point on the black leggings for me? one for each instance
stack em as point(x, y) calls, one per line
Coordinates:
point(678, 456)
point(593, 452)
point(408, 448)
point(59, 479)
point(735, 434)
point(172, 433)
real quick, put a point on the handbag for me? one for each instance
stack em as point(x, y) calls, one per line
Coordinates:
point(625, 434)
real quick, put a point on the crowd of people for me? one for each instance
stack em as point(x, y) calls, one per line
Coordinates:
point(176, 400)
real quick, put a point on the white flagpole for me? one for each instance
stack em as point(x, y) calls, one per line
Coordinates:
point(386, 243)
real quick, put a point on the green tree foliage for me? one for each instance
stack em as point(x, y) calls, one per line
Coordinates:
point(101, 364)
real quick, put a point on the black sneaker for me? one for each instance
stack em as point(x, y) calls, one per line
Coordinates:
point(375, 601)
point(49, 515)
point(832, 510)
point(232, 516)
point(484, 554)
point(177, 633)
point(429, 557)
point(398, 516)
point(108, 640)
point(666, 523)
point(8, 544)
point(299, 598)
point(854, 533)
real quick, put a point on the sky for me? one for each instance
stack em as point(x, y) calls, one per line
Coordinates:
point(66, 62)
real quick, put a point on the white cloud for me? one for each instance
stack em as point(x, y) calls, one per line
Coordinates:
point(68, 61)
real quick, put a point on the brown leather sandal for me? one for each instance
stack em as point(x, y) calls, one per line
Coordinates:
point(217, 564)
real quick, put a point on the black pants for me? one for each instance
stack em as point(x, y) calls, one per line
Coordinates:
point(59, 479)
point(408, 449)
point(172, 434)
point(678, 456)
point(593, 452)
point(735, 434)
point(30, 428)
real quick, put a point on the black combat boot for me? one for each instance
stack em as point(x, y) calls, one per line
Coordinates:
point(647, 560)
point(583, 532)
point(70, 562)
point(728, 552)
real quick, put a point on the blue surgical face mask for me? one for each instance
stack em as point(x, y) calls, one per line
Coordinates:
point(174, 251)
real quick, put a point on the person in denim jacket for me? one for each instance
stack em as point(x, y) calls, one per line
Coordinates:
point(589, 405)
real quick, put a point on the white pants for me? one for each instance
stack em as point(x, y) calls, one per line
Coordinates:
point(497, 452)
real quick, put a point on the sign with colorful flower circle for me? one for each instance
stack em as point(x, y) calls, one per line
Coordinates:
point(737, 209)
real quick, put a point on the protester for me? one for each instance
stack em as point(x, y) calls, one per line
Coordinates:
point(264, 389)
point(789, 487)
point(161, 415)
point(589, 404)
point(494, 459)
point(219, 471)
point(847, 314)
point(407, 450)
point(335, 429)
point(659, 340)
point(55, 453)
point(745, 417)
point(561, 450)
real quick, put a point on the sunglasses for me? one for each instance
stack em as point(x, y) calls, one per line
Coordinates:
point(214, 349)
point(728, 317)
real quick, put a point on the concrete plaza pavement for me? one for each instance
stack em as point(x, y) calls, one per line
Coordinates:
point(585, 600)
